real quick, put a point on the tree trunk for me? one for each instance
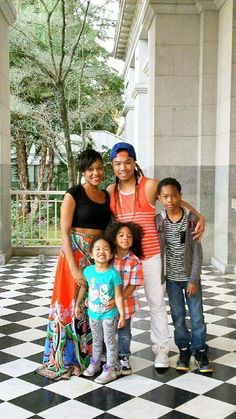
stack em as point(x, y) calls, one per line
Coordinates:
point(50, 167)
point(22, 170)
point(42, 165)
point(66, 129)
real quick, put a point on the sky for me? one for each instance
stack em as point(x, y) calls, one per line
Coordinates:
point(112, 7)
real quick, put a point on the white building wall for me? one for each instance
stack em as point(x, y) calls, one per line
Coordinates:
point(141, 113)
point(207, 124)
point(6, 16)
point(128, 111)
point(225, 231)
point(191, 119)
point(173, 90)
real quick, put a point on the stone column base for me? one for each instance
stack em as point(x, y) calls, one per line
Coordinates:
point(4, 257)
point(226, 268)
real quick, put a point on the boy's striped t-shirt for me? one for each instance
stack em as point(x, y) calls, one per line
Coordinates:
point(175, 245)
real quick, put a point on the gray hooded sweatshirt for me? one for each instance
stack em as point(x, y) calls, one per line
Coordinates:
point(192, 251)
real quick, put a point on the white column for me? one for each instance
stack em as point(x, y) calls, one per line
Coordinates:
point(173, 83)
point(128, 111)
point(6, 17)
point(207, 123)
point(225, 178)
point(139, 94)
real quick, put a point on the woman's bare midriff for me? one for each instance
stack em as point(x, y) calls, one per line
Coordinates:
point(91, 231)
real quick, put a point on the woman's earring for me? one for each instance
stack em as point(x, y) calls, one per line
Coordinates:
point(83, 180)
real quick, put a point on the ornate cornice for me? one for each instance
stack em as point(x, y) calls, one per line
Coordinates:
point(219, 3)
point(126, 14)
point(135, 17)
point(127, 108)
point(8, 11)
point(139, 89)
point(203, 5)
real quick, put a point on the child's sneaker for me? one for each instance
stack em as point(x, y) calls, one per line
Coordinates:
point(108, 374)
point(92, 368)
point(202, 361)
point(183, 361)
point(125, 367)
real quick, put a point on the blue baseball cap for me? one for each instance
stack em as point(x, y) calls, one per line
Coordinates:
point(123, 146)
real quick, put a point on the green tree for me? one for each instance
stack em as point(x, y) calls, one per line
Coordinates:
point(60, 79)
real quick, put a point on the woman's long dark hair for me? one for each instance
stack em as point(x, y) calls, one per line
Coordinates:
point(136, 231)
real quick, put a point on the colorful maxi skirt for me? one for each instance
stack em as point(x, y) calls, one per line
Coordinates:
point(68, 343)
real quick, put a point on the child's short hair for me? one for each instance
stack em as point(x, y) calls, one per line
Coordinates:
point(106, 239)
point(137, 233)
point(168, 181)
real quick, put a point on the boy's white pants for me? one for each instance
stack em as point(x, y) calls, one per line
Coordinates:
point(155, 293)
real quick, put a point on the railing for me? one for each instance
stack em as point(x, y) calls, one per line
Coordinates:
point(35, 218)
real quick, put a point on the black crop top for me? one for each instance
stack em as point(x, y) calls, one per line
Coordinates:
point(89, 214)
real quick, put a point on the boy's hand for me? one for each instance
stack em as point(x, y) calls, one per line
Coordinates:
point(110, 304)
point(121, 322)
point(192, 289)
point(199, 229)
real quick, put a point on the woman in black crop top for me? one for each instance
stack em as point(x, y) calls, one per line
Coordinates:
point(85, 213)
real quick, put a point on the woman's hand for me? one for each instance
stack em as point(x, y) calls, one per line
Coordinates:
point(110, 304)
point(199, 229)
point(78, 311)
point(78, 277)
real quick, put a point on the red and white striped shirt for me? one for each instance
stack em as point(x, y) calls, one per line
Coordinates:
point(128, 207)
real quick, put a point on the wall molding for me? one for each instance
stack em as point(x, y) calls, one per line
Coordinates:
point(8, 11)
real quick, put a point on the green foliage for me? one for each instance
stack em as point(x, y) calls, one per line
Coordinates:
point(93, 91)
point(36, 228)
point(109, 174)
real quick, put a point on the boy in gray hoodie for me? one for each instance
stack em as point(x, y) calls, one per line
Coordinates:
point(181, 267)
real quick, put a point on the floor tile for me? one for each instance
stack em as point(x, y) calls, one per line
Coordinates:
point(29, 335)
point(6, 357)
point(12, 328)
point(15, 387)
point(105, 397)
point(225, 392)
point(140, 409)
point(198, 384)
point(18, 367)
point(207, 408)
point(8, 410)
point(8, 341)
point(135, 385)
point(23, 350)
point(229, 359)
point(169, 396)
point(147, 393)
point(223, 343)
point(39, 400)
point(71, 409)
point(75, 387)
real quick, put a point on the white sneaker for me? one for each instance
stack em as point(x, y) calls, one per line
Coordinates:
point(161, 358)
point(92, 368)
point(108, 374)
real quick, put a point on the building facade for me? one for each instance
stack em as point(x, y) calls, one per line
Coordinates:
point(180, 105)
point(7, 17)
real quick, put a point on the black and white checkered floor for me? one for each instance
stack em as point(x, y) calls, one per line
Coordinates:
point(24, 299)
